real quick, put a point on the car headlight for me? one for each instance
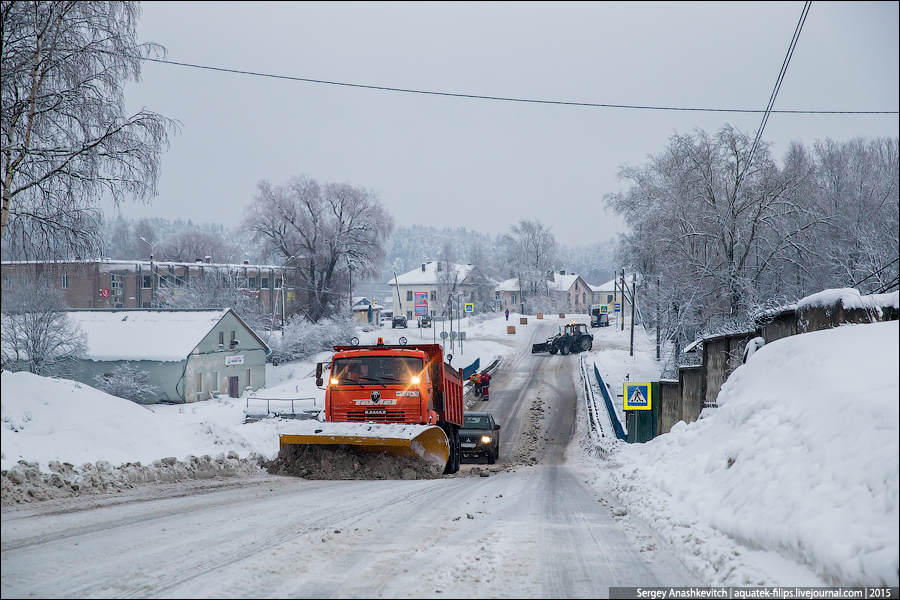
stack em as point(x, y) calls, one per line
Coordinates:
point(486, 439)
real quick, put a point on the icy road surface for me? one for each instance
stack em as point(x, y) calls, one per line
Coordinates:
point(528, 531)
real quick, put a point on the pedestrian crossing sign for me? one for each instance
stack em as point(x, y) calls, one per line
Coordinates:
point(637, 396)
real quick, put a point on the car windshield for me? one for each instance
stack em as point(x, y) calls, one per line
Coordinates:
point(476, 422)
point(378, 369)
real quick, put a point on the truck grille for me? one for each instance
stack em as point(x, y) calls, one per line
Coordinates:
point(376, 415)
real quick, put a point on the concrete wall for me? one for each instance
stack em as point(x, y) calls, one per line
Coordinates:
point(718, 353)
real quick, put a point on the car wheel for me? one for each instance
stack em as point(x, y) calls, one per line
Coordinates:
point(553, 350)
point(491, 458)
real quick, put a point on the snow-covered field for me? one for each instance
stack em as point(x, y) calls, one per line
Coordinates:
point(793, 479)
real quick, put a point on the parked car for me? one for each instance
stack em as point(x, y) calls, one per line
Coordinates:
point(480, 436)
point(600, 320)
point(398, 321)
point(424, 321)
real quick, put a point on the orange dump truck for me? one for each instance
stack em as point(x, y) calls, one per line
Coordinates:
point(408, 387)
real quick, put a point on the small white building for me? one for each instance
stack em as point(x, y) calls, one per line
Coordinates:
point(425, 291)
point(190, 354)
point(366, 311)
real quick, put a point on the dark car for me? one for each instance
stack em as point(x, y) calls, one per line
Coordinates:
point(480, 436)
point(424, 321)
point(398, 321)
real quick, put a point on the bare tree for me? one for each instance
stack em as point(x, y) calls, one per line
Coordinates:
point(127, 382)
point(66, 138)
point(327, 231)
point(37, 333)
point(531, 252)
point(186, 246)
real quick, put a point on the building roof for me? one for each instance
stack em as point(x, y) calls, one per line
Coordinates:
point(429, 274)
point(508, 285)
point(562, 283)
point(147, 334)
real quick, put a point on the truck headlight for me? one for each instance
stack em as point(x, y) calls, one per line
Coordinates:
point(416, 380)
point(486, 439)
point(334, 381)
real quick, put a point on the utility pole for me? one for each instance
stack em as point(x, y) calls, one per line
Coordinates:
point(631, 352)
point(623, 299)
point(657, 318)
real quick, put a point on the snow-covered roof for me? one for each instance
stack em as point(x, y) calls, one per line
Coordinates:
point(609, 286)
point(508, 285)
point(562, 283)
point(164, 335)
point(429, 275)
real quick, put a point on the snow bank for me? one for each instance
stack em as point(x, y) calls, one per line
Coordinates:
point(801, 458)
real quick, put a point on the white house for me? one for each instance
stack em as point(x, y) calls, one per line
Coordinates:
point(366, 310)
point(425, 291)
point(190, 354)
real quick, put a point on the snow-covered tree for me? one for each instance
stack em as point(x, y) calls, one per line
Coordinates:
point(330, 232)
point(128, 382)
point(66, 138)
point(531, 253)
point(37, 333)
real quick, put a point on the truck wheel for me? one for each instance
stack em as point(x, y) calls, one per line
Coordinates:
point(553, 350)
point(491, 458)
point(586, 344)
point(458, 444)
point(564, 349)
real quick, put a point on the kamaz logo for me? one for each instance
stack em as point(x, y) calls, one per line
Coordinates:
point(376, 396)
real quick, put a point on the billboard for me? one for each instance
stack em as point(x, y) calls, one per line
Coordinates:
point(421, 303)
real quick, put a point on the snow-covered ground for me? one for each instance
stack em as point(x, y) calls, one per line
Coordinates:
point(793, 479)
point(48, 420)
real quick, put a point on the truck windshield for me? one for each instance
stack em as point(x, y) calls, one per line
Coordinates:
point(362, 370)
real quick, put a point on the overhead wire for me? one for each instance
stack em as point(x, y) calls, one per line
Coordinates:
point(512, 99)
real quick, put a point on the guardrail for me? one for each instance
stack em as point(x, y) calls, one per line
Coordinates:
point(620, 431)
point(294, 407)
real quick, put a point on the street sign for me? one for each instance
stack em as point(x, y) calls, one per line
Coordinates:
point(470, 307)
point(444, 335)
point(604, 310)
point(453, 335)
point(637, 396)
point(617, 307)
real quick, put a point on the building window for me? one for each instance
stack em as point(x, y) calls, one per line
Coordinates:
point(215, 382)
point(249, 385)
point(146, 282)
point(265, 282)
point(433, 295)
point(198, 384)
point(165, 281)
point(146, 305)
point(409, 296)
point(65, 281)
point(221, 338)
point(252, 282)
point(609, 298)
point(278, 283)
point(513, 298)
point(6, 282)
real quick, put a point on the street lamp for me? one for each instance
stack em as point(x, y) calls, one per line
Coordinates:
point(152, 280)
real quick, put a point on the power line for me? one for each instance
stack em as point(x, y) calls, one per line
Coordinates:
point(522, 100)
point(778, 82)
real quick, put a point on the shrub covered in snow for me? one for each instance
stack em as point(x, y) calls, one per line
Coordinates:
point(303, 339)
point(126, 381)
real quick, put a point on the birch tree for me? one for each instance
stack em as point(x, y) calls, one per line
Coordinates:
point(66, 138)
point(531, 252)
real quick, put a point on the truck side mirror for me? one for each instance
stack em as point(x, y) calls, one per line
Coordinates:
point(319, 382)
point(496, 427)
point(318, 372)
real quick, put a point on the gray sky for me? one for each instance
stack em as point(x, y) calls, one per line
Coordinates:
point(484, 164)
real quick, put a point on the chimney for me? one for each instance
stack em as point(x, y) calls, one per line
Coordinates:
point(563, 272)
point(423, 267)
point(246, 262)
point(208, 259)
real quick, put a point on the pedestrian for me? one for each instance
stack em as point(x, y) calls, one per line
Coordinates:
point(485, 381)
point(507, 314)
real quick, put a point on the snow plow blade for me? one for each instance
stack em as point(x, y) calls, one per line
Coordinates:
point(427, 443)
point(542, 347)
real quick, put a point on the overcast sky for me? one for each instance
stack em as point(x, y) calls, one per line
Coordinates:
point(484, 164)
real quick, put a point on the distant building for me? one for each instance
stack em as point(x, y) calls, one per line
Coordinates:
point(190, 354)
point(428, 289)
point(106, 283)
point(568, 293)
point(365, 311)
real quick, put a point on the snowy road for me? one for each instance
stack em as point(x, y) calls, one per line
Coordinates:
point(535, 531)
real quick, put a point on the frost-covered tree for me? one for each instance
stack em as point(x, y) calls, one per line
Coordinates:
point(66, 138)
point(188, 246)
point(531, 253)
point(38, 335)
point(330, 232)
point(222, 290)
point(128, 382)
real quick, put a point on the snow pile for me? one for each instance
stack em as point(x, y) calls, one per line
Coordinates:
point(802, 458)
